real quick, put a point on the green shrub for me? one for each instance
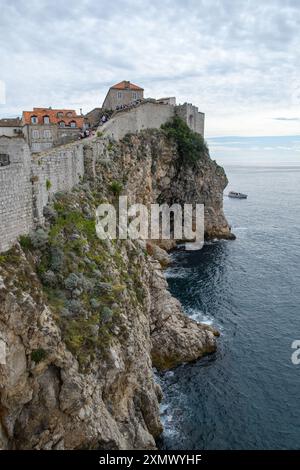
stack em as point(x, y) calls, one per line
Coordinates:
point(72, 281)
point(38, 355)
point(86, 338)
point(191, 146)
point(39, 238)
point(99, 133)
point(106, 314)
point(116, 188)
point(25, 242)
point(127, 138)
point(57, 258)
point(49, 278)
point(48, 184)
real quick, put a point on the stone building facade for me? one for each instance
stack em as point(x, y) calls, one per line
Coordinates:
point(122, 94)
point(44, 128)
point(92, 118)
point(169, 100)
point(10, 127)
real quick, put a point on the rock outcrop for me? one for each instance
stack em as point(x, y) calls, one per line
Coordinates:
point(52, 398)
point(149, 167)
point(83, 321)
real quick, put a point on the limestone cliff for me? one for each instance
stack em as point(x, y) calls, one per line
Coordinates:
point(149, 167)
point(82, 321)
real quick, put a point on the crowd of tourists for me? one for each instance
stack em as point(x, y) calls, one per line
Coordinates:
point(105, 118)
point(133, 104)
point(86, 133)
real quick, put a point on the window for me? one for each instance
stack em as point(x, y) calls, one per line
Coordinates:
point(47, 134)
point(61, 124)
point(119, 95)
point(60, 114)
point(134, 95)
point(69, 114)
point(35, 134)
point(36, 147)
point(34, 120)
point(73, 124)
point(4, 159)
point(46, 120)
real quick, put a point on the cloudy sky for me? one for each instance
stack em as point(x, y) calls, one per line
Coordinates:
point(238, 60)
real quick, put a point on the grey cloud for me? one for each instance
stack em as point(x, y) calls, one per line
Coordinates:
point(286, 119)
point(229, 53)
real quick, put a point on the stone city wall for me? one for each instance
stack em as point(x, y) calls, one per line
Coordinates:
point(27, 183)
point(148, 115)
point(15, 191)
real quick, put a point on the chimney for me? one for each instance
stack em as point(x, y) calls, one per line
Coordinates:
point(80, 111)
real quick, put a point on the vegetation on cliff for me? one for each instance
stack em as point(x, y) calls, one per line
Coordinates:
point(190, 145)
point(83, 278)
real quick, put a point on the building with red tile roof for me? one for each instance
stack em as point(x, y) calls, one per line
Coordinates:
point(61, 117)
point(122, 94)
point(44, 128)
point(124, 85)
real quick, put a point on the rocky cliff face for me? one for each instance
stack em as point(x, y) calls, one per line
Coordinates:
point(83, 321)
point(149, 167)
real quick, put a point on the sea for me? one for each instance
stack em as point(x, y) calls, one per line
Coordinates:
point(247, 394)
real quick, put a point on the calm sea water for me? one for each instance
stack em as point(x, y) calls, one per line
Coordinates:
point(247, 395)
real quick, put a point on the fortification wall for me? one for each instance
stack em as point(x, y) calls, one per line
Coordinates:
point(15, 192)
point(191, 115)
point(151, 115)
point(58, 169)
point(27, 183)
point(145, 116)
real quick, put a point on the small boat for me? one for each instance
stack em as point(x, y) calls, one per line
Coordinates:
point(236, 195)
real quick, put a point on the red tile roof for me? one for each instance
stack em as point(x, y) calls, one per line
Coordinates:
point(125, 85)
point(55, 116)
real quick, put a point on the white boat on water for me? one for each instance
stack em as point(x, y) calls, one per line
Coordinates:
point(236, 195)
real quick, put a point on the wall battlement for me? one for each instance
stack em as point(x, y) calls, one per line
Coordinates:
point(150, 114)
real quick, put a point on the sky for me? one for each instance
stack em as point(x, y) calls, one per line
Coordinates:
point(237, 60)
point(256, 150)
